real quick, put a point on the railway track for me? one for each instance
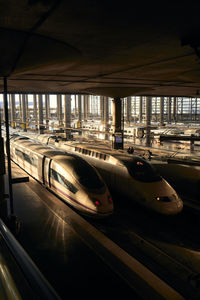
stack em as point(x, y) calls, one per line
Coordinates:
point(166, 259)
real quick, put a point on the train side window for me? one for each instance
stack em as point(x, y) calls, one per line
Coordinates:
point(27, 158)
point(102, 156)
point(19, 153)
point(35, 161)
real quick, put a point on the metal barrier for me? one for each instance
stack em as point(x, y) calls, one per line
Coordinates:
point(39, 286)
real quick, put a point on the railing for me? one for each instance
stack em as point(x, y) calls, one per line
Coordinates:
point(17, 260)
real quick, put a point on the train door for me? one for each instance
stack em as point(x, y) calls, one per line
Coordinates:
point(46, 170)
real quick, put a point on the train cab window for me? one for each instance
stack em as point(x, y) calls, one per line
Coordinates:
point(142, 170)
point(63, 181)
point(87, 175)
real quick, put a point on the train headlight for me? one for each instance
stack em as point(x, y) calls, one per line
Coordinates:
point(110, 199)
point(163, 199)
point(97, 202)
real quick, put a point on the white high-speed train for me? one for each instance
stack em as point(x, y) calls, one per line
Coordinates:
point(129, 175)
point(67, 175)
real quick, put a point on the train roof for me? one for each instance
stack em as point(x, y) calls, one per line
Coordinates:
point(104, 151)
point(48, 151)
point(113, 156)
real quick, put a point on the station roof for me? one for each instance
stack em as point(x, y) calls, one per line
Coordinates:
point(109, 48)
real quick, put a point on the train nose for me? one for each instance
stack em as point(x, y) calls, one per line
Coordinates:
point(103, 205)
point(172, 208)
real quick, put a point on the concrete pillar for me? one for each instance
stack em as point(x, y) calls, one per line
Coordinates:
point(161, 110)
point(106, 117)
point(140, 109)
point(75, 106)
point(40, 115)
point(79, 109)
point(169, 110)
point(128, 110)
point(117, 129)
point(67, 115)
point(23, 107)
point(35, 110)
point(85, 99)
point(13, 111)
point(27, 111)
point(47, 110)
point(148, 120)
point(20, 107)
point(174, 110)
point(59, 110)
point(88, 107)
point(102, 109)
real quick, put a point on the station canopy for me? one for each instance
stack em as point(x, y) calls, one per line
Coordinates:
point(109, 48)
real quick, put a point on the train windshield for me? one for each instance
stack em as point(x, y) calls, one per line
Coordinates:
point(141, 170)
point(87, 175)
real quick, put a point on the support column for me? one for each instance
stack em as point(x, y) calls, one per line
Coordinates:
point(79, 111)
point(27, 111)
point(23, 104)
point(75, 106)
point(47, 110)
point(140, 109)
point(117, 131)
point(85, 107)
point(10, 189)
point(88, 107)
point(174, 110)
point(35, 110)
point(20, 107)
point(67, 116)
point(161, 111)
point(106, 117)
point(169, 110)
point(59, 110)
point(13, 111)
point(128, 110)
point(40, 115)
point(148, 120)
point(102, 109)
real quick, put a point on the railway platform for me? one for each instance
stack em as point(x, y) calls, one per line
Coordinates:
point(73, 256)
